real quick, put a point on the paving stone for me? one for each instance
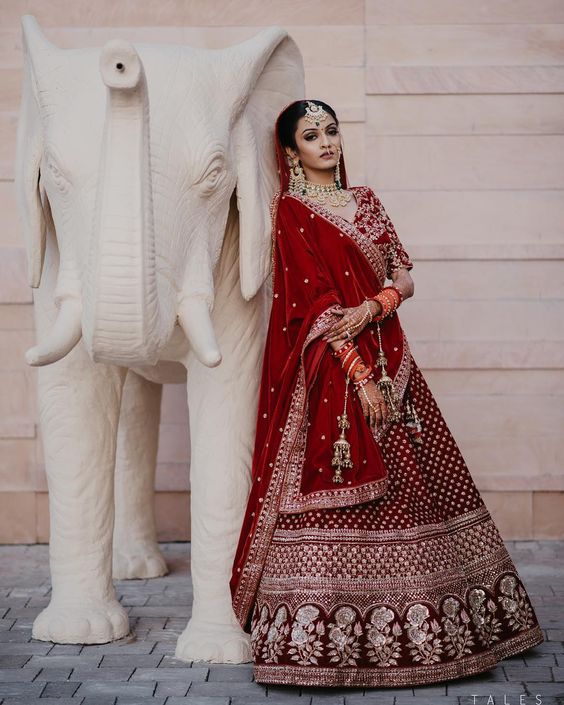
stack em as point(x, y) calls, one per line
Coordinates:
point(555, 634)
point(115, 688)
point(6, 624)
point(66, 649)
point(198, 700)
point(19, 675)
point(534, 674)
point(164, 635)
point(28, 648)
point(373, 692)
point(546, 689)
point(172, 662)
point(383, 699)
point(11, 636)
point(329, 692)
point(172, 688)
point(548, 647)
point(134, 600)
point(133, 700)
point(540, 660)
point(70, 661)
point(130, 660)
point(427, 691)
point(281, 693)
point(161, 611)
point(328, 699)
point(13, 603)
point(41, 701)
point(229, 689)
point(54, 674)
point(434, 700)
point(21, 690)
point(117, 647)
point(242, 673)
point(95, 700)
point(13, 661)
point(292, 699)
point(165, 674)
point(98, 674)
point(462, 688)
point(60, 689)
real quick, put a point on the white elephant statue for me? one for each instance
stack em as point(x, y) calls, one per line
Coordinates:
point(144, 176)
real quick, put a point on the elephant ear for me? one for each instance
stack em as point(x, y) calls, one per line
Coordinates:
point(268, 74)
point(29, 149)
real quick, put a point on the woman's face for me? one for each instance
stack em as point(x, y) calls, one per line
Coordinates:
point(318, 147)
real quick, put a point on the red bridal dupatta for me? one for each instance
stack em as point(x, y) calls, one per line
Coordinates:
point(320, 261)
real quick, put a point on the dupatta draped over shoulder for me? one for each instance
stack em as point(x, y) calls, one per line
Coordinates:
point(319, 261)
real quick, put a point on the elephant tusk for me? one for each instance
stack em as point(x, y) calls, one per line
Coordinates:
point(62, 338)
point(195, 320)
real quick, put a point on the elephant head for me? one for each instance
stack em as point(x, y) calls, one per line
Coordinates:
point(129, 160)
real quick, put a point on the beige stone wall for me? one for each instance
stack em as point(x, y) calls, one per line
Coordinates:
point(454, 113)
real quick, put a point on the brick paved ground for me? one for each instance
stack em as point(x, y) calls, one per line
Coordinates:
point(141, 669)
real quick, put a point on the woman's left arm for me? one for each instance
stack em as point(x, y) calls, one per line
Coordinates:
point(402, 280)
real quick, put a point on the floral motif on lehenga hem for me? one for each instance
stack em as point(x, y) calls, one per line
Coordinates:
point(384, 647)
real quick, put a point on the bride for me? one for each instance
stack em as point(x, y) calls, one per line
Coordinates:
point(367, 556)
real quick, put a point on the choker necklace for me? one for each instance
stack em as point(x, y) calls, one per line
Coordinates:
point(323, 193)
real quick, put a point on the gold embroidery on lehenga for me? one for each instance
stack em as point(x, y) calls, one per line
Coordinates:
point(442, 642)
point(382, 632)
point(458, 639)
point(305, 645)
point(514, 601)
point(483, 610)
point(343, 635)
point(424, 643)
point(275, 636)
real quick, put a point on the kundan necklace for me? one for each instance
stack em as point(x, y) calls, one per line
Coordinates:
point(321, 193)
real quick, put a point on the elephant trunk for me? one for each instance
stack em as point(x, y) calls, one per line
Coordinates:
point(122, 323)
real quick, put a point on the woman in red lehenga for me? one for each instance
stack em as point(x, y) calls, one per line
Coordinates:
point(367, 556)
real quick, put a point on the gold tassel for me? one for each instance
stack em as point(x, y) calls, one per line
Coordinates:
point(385, 384)
point(341, 447)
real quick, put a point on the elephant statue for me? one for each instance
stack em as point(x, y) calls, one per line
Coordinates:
point(144, 176)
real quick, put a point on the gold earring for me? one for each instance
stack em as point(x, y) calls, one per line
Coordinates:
point(297, 178)
point(338, 170)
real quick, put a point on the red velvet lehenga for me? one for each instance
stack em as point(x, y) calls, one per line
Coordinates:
point(398, 576)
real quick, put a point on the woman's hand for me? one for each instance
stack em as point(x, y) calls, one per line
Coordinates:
point(351, 317)
point(373, 405)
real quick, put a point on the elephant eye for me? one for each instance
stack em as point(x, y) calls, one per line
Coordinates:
point(212, 175)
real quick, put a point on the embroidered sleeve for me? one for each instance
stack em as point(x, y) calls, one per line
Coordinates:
point(397, 257)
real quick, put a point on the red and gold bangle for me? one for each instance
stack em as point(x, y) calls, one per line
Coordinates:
point(345, 347)
point(389, 298)
point(361, 382)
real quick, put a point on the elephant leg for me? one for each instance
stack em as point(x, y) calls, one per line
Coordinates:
point(136, 553)
point(79, 405)
point(222, 405)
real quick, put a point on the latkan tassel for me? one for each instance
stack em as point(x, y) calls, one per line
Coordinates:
point(385, 384)
point(413, 423)
point(341, 447)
